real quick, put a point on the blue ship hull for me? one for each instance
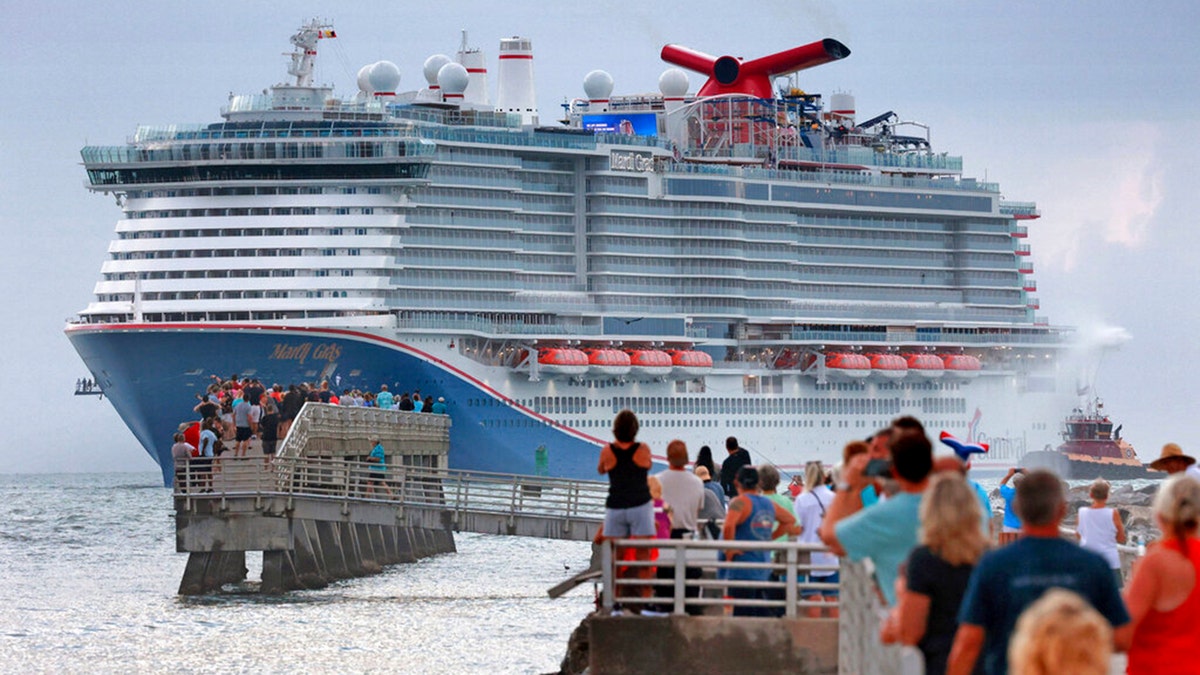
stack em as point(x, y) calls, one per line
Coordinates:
point(152, 373)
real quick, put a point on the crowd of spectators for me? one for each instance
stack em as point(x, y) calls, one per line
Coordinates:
point(1030, 601)
point(237, 412)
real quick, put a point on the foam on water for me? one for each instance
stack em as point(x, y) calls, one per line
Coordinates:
point(88, 575)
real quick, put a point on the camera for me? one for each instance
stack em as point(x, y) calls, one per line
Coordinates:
point(879, 468)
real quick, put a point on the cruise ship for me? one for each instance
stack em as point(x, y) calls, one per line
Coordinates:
point(728, 256)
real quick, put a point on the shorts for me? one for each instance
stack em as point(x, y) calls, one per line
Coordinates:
point(824, 592)
point(268, 447)
point(1010, 530)
point(243, 434)
point(636, 521)
point(375, 476)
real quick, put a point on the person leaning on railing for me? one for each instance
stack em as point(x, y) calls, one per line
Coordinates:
point(753, 517)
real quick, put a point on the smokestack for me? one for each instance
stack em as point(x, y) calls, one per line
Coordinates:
point(472, 60)
point(729, 75)
point(514, 89)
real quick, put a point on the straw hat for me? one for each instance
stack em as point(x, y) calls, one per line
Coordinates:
point(1171, 452)
point(702, 473)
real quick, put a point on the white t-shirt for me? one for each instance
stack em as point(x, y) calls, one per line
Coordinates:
point(809, 513)
point(684, 493)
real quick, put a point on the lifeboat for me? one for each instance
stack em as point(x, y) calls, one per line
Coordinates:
point(839, 365)
point(649, 362)
point(689, 363)
point(961, 365)
point(562, 361)
point(608, 362)
point(786, 360)
point(888, 366)
point(926, 365)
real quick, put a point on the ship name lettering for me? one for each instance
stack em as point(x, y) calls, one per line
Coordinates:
point(630, 161)
point(298, 353)
point(329, 352)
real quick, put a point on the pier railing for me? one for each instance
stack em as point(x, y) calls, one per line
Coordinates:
point(456, 492)
point(785, 594)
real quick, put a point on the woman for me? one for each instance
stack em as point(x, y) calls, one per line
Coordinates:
point(1163, 597)
point(752, 517)
point(1100, 528)
point(629, 509)
point(937, 572)
point(704, 459)
point(1060, 633)
point(810, 511)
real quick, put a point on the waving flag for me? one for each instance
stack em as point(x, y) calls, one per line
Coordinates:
point(963, 450)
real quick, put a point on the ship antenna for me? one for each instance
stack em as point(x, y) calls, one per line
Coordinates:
point(305, 55)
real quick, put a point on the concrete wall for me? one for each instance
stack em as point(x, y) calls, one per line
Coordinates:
point(681, 644)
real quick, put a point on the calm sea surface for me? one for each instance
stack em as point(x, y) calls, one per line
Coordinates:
point(89, 572)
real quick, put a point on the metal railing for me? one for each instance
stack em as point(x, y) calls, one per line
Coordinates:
point(420, 487)
point(788, 590)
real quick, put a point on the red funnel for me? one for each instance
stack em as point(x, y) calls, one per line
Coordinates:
point(728, 75)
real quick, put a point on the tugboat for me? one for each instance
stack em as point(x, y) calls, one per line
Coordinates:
point(1091, 449)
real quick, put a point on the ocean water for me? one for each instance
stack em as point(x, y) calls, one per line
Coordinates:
point(89, 573)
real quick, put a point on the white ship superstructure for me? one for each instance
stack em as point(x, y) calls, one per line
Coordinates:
point(732, 261)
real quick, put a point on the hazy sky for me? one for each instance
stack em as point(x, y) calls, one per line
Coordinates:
point(1086, 108)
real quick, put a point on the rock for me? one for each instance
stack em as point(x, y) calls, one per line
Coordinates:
point(575, 662)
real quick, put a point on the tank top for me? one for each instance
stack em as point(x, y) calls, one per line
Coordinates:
point(1097, 533)
point(756, 527)
point(1165, 642)
point(627, 486)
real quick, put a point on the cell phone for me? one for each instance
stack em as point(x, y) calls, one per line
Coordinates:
point(878, 467)
point(1020, 470)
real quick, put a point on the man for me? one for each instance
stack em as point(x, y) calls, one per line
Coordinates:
point(887, 531)
point(752, 517)
point(736, 459)
point(293, 401)
point(241, 422)
point(681, 490)
point(405, 404)
point(439, 408)
point(1009, 579)
point(713, 510)
point(1174, 461)
point(384, 398)
point(378, 462)
point(684, 493)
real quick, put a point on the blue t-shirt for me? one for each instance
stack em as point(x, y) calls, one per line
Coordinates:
point(1010, 518)
point(1011, 578)
point(885, 533)
point(985, 503)
point(384, 400)
point(377, 457)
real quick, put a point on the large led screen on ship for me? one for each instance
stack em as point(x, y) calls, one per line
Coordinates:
point(641, 124)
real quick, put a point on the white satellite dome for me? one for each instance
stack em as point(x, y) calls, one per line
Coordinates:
point(453, 78)
point(598, 85)
point(364, 79)
point(434, 64)
point(384, 77)
point(673, 82)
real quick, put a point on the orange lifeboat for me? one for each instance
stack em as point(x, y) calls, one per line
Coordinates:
point(649, 362)
point(608, 362)
point(926, 365)
point(961, 365)
point(562, 361)
point(840, 365)
point(888, 366)
point(786, 360)
point(689, 363)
